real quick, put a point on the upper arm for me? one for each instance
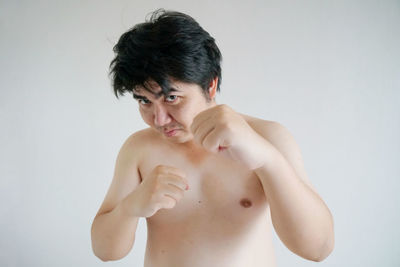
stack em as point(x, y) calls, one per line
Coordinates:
point(280, 137)
point(126, 175)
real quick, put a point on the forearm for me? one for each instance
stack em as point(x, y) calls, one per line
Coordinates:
point(113, 233)
point(300, 217)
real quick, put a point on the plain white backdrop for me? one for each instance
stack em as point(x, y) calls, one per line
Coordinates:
point(327, 70)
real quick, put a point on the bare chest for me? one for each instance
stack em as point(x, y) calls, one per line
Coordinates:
point(221, 191)
point(222, 220)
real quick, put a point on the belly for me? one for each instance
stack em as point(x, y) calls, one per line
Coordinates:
point(224, 218)
point(211, 244)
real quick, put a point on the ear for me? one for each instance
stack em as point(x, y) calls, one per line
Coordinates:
point(212, 90)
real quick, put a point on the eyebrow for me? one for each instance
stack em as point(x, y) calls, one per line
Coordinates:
point(135, 96)
point(158, 95)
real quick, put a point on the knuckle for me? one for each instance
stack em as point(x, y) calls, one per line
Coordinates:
point(170, 202)
point(224, 126)
point(180, 191)
point(156, 188)
point(159, 168)
point(159, 178)
point(156, 207)
point(183, 174)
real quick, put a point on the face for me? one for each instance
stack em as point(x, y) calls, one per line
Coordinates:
point(172, 115)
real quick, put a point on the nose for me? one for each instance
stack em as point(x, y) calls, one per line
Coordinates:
point(161, 116)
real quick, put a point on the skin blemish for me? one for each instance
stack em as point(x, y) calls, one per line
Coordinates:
point(245, 202)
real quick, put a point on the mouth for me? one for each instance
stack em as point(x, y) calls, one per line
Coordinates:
point(170, 133)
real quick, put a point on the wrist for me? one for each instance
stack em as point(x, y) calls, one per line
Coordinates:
point(267, 154)
point(126, 209)
point(272, 163)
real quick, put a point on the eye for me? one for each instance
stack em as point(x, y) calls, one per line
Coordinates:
point(171, 98)
point(143, 101)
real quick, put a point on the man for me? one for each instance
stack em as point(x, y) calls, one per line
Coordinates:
point(211, 182)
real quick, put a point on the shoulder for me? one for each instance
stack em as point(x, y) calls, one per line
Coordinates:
point(126, 173)
point(143, 138)
point(277, 134)
point(140, 137)
point(274, 132)
point(136, 144)
point(283, 140)
point(266, 128)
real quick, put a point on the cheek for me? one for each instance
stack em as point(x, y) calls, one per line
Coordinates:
point(185, 115)
point(146, 116)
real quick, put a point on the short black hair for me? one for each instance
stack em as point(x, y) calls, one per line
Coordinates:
point(170, 45)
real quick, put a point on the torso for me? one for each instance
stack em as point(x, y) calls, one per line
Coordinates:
point(222, 220)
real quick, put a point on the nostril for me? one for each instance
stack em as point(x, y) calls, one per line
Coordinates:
point(162, 119)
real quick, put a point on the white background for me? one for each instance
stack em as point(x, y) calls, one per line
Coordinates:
point(327, 70)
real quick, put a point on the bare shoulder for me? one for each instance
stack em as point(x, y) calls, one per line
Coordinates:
point(137, 141)
point(273, 131)
point(266, 128)
point(126, 173)
point(140, 136)
point(283, 140)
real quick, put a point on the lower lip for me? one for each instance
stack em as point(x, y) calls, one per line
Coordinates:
point(171, 133)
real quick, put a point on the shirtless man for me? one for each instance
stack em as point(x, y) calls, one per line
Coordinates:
point(211, 182)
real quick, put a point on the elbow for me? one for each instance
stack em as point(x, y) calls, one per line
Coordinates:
point(313, 250)
point(112, 253)
point(316, 253)
point(106, 251)
point(102, 258)
point(325, 250)
point(326, 247)
point(109, 257)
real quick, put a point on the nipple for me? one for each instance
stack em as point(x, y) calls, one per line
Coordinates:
point(245, 202)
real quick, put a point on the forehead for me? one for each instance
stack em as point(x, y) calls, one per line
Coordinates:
point(152, 87)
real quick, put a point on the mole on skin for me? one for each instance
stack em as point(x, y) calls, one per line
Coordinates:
point(245, 202)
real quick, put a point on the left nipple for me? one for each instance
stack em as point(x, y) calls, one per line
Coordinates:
point(245, 202)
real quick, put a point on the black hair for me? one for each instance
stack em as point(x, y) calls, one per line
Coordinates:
point(170, 45)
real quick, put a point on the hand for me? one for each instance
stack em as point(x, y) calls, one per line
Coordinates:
point(221, 130)
point(163, 188)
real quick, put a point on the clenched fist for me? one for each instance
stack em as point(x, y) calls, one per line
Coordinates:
point(164, 187)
